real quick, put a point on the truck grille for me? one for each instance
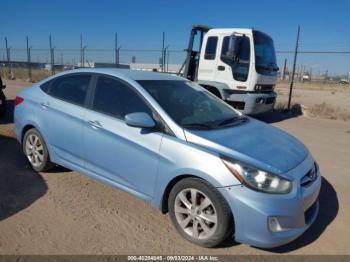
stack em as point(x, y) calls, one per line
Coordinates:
point(270, 100)
point(264, 88)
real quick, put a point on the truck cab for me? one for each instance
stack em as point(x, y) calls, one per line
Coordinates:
point(238, 65)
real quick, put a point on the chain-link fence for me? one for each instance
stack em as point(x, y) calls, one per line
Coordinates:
point(312, 66)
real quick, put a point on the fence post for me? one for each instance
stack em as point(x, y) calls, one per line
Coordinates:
point(284, 69)
point(83, 56)
point(29, 64)
point(293, 72)
point(81, 50)
point(116, 51)
point(167, 61)
point(52, 54)
point(8, 55)
point(163, 56)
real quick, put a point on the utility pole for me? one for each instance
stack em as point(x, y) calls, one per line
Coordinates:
point(29, 63)
point(293, 72)
point(52, 56)
point(284, 69)
point(8, 54)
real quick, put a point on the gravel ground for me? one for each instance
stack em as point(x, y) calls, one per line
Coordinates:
point(63, 212)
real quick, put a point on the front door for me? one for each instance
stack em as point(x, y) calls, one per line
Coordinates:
point(125, 155)
point(234, 73)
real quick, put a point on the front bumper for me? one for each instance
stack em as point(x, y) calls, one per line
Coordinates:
point(253, 103)
point(296, 211)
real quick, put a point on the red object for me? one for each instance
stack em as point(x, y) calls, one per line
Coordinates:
point(18, 100)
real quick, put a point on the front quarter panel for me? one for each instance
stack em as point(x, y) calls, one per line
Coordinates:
point(179, 157)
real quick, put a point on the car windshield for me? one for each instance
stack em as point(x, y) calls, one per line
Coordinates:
point(265, 56)
point(189, 105)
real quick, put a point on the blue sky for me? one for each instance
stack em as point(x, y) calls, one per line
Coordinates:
point(325, 24)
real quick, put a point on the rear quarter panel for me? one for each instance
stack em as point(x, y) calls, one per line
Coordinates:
point(28, 112)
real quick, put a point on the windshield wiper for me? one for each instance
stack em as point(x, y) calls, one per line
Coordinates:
point(232, 120)
point(197, 126)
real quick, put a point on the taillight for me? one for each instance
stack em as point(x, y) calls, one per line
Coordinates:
point(18, 100)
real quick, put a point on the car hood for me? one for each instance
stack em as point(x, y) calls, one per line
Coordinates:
point(254, 143)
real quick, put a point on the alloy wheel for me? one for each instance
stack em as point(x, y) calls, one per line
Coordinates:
point(34, 150)
point(195, 213)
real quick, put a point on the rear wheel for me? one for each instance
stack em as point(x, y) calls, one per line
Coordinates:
point(199, 212)
point(2, 104)
point(35, 149)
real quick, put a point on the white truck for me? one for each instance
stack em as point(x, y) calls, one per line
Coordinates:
point(238, 65)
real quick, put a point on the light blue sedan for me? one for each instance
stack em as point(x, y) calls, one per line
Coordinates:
point(173, 144)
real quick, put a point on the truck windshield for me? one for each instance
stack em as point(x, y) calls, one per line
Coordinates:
point(265, 56)
point(190, 105)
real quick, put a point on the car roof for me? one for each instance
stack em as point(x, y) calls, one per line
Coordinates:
point(126, 73)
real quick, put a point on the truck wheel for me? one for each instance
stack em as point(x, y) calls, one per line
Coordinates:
point(199, 212)
point(214, 91)
point(35, 149)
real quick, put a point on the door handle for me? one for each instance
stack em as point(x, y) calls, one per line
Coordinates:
point(44, 104)
point(221, 68)
point(95, 124)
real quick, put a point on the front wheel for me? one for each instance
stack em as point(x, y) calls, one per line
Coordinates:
point(199, 212)
point(35, 149)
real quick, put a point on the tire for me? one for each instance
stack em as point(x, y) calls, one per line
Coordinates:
point(214, 221)
point(35, 149)
point(215, 92)
point(2, 105)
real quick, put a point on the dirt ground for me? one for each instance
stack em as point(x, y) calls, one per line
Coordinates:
point(336, 96)
point(63, 212)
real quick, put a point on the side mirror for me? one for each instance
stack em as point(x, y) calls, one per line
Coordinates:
point(139, 119)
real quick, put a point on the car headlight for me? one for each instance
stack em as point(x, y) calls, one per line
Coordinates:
point(257, 179)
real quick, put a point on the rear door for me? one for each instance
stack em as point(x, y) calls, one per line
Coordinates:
point(63, 116)
point(113, 150)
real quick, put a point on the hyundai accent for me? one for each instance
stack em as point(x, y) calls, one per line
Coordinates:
point(170, 142)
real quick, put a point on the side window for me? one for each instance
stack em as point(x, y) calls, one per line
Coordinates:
point(210, 49)
point(240, 67)
point(115, 98)
point(72, 88)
